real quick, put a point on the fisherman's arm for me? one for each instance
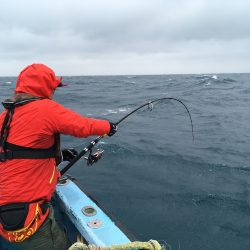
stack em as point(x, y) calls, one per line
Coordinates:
point(66, 121)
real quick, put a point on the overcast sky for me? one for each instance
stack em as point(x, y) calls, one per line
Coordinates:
point(92, 37)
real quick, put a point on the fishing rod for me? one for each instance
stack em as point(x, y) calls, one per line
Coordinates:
point(93, 158)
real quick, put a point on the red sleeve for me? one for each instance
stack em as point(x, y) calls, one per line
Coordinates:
point(65, 121)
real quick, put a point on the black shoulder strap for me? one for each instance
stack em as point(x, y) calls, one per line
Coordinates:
point(10, 104)
point(12, 151)
point(58, 153)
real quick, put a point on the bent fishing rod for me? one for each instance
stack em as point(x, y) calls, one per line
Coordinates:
point(95, 157)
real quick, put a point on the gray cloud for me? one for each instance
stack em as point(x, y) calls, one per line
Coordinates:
point(125, 36)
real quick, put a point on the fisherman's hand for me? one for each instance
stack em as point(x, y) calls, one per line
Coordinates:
point(69, 154)
point(113, 129)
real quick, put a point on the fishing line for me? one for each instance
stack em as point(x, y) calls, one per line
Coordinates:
point(150, 106)
point(95, 141)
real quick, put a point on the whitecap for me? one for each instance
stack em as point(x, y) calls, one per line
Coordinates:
point(112, 111)
point(102, 142)
point(215, 77)
point(115, 111)
point(123, 109)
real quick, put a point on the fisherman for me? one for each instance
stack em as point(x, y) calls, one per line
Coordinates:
point(29, 154)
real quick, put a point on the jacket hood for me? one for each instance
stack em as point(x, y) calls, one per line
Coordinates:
point(37, 80)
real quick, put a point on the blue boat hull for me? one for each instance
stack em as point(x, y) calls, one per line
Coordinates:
point(80, 215)
point(90, 220)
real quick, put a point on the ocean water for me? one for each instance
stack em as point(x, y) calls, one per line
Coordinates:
point(152, 177)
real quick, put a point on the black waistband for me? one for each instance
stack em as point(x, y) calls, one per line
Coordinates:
point(18, 152)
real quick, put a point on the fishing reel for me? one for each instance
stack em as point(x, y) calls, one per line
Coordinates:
point(94, 157)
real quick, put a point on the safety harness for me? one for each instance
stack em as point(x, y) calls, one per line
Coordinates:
point(18, 221)
point(11, 151)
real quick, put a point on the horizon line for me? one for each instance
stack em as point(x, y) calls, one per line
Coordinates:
point(159, 74)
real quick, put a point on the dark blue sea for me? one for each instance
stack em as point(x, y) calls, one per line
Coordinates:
point(153, 178)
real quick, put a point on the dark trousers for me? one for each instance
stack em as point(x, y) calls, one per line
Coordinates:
point(48, 237)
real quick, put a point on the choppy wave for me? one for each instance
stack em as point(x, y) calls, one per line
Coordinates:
point(188, 190)
point(116, 111)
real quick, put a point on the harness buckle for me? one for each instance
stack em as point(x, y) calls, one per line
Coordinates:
point(8, 104)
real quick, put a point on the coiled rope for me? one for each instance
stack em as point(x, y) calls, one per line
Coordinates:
point(150, 245)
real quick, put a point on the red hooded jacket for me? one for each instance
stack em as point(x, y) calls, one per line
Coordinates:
point(34, 125)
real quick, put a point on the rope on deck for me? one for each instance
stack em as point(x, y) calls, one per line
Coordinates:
point(150, 245)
